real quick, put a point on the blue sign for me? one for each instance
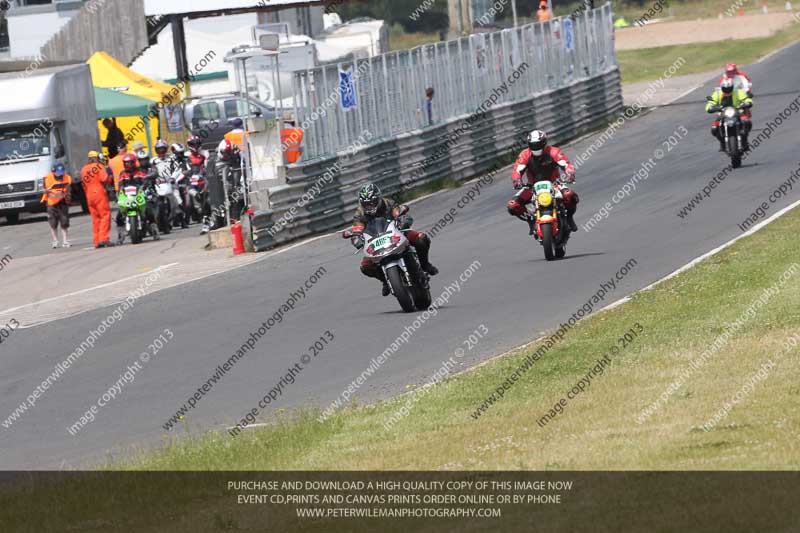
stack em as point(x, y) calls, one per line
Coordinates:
point(347, 89)
point(568, 42)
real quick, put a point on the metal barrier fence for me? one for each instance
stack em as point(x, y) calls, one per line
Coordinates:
point(321, 195)
point(388, 91)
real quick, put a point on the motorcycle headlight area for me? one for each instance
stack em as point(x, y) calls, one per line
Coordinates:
point(544, 198)
point(729, 112)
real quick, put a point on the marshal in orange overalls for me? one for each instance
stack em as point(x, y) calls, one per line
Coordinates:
point(94, 177)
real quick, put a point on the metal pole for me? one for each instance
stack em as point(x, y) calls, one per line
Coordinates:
point(514, 11)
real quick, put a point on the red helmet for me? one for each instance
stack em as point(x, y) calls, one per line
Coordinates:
point(194, 143)
point(129, 162)
point(730, 70)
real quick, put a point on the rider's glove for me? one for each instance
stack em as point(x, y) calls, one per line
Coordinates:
point(357, 240)
point(518, 185)
point(404, 222)
point(570, 178)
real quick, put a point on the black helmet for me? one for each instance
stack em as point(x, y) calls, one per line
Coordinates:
point(537, 140)
point(161, 148)
point(194, 142)
point(178, 150)
point(370, 198)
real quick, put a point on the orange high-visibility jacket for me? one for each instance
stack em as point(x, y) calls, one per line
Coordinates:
point(291, 140)
point(56, 190)
point(94, 178)
point(236, 137)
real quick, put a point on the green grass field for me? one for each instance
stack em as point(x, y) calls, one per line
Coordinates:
point(598, 430)
point(650, 63)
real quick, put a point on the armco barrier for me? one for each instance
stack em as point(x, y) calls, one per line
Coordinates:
point(395, 164)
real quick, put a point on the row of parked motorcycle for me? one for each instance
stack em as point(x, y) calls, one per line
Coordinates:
point(170, 192)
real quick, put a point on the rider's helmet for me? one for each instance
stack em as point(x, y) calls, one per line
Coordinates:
point(730, 70)
point(129, 162)
point(370, 198)
point(194, 143)
point(144, 158)
point(726, 86)
point(161, 148)
point(226, 150)
point(178, 151)
point(537, 140)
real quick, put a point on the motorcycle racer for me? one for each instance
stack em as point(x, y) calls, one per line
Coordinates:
point(371, 205)
point(726, 96)
point(740, 79)
point(540, 162)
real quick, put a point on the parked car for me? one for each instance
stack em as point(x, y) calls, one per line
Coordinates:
point(211, 117)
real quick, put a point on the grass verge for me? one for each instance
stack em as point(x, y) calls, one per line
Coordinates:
point(598, 429)
point(650, 63)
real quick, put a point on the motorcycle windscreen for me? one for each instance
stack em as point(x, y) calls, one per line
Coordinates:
point(376, 226)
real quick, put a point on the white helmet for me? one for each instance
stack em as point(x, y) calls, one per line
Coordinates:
point(537, 140)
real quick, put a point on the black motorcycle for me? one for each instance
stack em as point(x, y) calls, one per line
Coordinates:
point(732, 130)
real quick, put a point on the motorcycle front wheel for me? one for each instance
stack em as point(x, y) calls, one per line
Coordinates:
point(733, 150)
point(395, 278)
point(547, 241)
point(137, 232)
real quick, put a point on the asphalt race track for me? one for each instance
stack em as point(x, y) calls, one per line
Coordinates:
point(515, 293)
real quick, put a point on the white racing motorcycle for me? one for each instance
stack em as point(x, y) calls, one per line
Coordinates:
point(168, 201)
point(385, 244)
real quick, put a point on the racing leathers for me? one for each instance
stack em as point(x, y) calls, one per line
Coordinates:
point(529, 169)
point(389, 210)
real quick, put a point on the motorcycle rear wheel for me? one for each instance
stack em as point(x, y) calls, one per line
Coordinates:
point(547, 241)
point(399, 290)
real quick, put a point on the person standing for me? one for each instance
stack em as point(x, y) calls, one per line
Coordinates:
point(57, 187)
point(94, 177)
point(114, 138)
point(116, 165)
point(429, 105)
point(543, 14)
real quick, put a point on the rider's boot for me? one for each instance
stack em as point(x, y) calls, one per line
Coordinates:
point(423, 249)
point(531, 226)
point(571, 222)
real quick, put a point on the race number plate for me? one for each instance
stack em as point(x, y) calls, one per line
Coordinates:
point(381, 242)
point(542, 186)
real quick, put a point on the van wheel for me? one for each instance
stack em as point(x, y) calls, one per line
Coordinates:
point(12, 219)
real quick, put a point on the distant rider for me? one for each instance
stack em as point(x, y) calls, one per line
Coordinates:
point(229, 168)
point(540, 162)
point(131, 175)
point(179, 166)
point(727, 96)
point(740, 79)
point(197, 163)
point(372, 205)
